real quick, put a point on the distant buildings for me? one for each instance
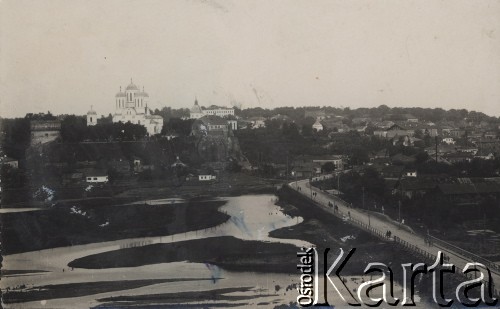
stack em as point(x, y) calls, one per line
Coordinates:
point(132, 106)
point(406, 129)
point(317, 125)
point(197, 112)
point(318, 114)
point(223, 116)
point(44, 131)
point(210, 125)
point(219, 111)
point(309, 166)
point(449, 140)
point(257, 122)
point(215, 139)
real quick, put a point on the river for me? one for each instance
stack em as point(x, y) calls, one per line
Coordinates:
point(252, 217)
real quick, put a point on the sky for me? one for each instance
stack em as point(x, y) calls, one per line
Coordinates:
point(65, 56)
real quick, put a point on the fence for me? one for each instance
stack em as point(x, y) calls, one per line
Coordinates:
point(342, 215)
point(136, 244)
point(475, 258)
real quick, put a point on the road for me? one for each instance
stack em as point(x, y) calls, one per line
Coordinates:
point(382, 226)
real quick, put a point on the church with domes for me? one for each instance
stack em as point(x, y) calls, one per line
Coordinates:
point(132, 105)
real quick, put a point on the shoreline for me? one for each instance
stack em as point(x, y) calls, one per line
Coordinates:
point(61, 226)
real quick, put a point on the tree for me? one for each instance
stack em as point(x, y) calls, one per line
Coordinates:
point(179, 126)
point(307, 130)
point(421, 157)
point(11, 177)
point(16, 136)
point(73, 129)
point(328, 167)
point(234, 167)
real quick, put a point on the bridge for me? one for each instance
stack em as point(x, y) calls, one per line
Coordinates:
point(423, 245)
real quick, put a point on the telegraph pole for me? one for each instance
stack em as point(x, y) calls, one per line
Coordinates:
point(311, 187)
point(287, 167)
point(363, 197)
point(399, 213)
point(436, 142)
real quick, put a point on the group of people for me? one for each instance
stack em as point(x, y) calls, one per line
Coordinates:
point(335, 206)
point(388, 234)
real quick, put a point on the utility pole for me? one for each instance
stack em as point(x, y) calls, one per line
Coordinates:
point(311, 187)
point(484, 232)
point(287, 167)
point(363, 197)
point(399, 212)
point(436, 142)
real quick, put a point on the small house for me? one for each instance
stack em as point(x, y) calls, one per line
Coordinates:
point(206, 177)
point(96, 176)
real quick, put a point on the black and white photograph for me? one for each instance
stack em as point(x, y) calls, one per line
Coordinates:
point(274, 154)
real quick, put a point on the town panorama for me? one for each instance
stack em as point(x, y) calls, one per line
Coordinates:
point(249, 154)
point(189, 205)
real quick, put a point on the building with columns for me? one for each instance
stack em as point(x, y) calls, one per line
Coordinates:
point(132, 105)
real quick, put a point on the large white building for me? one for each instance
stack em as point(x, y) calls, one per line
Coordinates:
point(197, 112)
point(132, 105)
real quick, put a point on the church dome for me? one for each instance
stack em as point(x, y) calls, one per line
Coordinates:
point(91, 111)
point(196, 108)
point(132, 86)
point(142, 93)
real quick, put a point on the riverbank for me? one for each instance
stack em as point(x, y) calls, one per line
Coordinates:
point(318, 227)
point(227, 184)
point(203, 299)
point(62, 226)
point(70, 290)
